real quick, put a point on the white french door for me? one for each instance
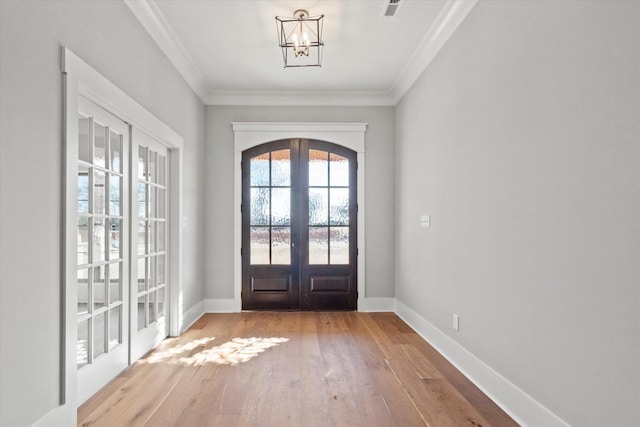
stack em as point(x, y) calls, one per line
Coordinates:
point(102, 248)
point(149, 270)
point(122, 235)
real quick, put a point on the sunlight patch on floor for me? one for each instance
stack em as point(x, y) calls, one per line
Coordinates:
point(198, 352)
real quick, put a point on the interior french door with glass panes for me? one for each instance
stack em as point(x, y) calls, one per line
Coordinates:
point(102, 248)
point(299, 226)
point(149, 272)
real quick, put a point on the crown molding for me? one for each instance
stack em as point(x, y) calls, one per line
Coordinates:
point(300, 98)
point(451, 16)
point(152, 19)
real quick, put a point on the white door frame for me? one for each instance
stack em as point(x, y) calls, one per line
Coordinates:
point(80, 79)
point(251, 134)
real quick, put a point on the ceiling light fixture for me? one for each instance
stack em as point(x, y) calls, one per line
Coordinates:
point(300, 38)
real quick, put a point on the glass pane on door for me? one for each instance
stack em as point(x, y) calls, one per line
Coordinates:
point(99, 329)
point(260, 170)
point(318, 168)
point(339, 245)
point(115, 151)
point(270, 208)
point(281, 168)
point(82, 357)
point(329, 208)
point(338, 170)
point(115, 327)
point(115, 285)
point(84, 144)
point(99, 146)
point(281, 245)
point(83, 188)
point(318, 245)
point(259, 238)
point(83, 291)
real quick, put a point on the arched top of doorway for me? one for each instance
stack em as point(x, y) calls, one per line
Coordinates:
point(251, 134)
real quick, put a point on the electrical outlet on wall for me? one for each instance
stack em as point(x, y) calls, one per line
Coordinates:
point(456, 322)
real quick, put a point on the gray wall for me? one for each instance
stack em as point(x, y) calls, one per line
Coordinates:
point(109, 38)
point(379, 185)
point(522, 142)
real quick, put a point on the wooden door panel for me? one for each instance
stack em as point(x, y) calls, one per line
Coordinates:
point(329, 284)
point(328, 291)
point(270, 284)
point(270, 288)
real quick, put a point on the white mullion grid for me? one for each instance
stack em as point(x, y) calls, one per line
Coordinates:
point(104, 310)
point(161, 222)
point(145, 291)
point(92, 311)
point(153, 254)
point(107, 210)
point(152, 222)
point(90, 244)
point(145, 181)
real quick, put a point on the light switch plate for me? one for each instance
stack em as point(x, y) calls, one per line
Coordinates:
point(456, 322)
point(425, 220)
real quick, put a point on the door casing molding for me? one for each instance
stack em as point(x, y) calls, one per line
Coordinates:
point(80, 79)
point(250, 134)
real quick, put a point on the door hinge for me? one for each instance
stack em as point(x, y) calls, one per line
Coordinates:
point(357, 251)
point(241, 252)
point(241, 207)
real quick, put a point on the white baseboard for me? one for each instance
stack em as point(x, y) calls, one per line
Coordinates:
point(376, 304)
point(520, 406)
point(221, 305)
point(63, 415)
point(191, 315)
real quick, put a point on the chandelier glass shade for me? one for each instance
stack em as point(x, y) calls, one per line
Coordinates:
point(300, 38)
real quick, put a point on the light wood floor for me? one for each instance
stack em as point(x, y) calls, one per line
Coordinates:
point(293, 369)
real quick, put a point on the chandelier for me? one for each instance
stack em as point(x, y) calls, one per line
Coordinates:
point(300, 38)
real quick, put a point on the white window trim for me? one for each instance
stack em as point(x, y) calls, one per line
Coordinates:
point(251, 134)
point(80, 79)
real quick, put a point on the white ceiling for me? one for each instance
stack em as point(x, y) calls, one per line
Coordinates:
point(228, 53)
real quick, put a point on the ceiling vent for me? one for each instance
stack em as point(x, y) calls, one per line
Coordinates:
point(390, 8)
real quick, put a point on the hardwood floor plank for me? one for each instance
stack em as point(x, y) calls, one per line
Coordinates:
point(424, 368)
point(396, 399)
point(125, 408)
point(430, 408)
point(341, 400)
point(462, 384)
point(386, 345)
point(293, 369)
